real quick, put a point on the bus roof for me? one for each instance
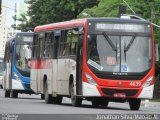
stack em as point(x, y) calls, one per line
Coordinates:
point(118, 20)
point(73, 23)
point(19, 33)
point(81, 22)
point(24, 33)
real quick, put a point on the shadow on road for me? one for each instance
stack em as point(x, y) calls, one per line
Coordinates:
point(90, 106)
point(29, 98)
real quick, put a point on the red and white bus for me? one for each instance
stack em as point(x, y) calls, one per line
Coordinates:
point(96, 59)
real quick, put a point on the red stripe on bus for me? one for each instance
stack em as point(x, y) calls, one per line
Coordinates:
point(41, 64)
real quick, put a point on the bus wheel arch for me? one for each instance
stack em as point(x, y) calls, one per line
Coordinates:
point(134, 104)
point(7, 93)
point(13, 94)
point(44, 82)
point(48, 97)
point(70, 83)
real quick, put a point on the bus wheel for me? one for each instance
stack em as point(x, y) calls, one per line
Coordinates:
point(75, 101)
point(134, 104)
point(57, 100)
point(14, 94)
point(95, 103)
point(7, 93)
point(104, 103)
point(48, 97)
point(42, 97)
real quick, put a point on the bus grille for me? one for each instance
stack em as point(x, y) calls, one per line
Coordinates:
point(119, 77)
point(111, 92)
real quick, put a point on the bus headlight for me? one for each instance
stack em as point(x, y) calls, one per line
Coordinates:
point(90, 79)
point(16, 77)
point(148, 82)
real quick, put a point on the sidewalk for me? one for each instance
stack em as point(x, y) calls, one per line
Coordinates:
point(148, 103)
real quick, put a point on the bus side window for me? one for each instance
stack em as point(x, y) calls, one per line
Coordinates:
point(41, 38)
point(56, 39)
point(35, 46)
point(61, 45)
point(74, 41)
point(48, 45)
point(65, 43)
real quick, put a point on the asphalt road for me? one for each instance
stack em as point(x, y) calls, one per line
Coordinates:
point(26, 106)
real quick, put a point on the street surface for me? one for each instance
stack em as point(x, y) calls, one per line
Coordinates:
point(32, 104)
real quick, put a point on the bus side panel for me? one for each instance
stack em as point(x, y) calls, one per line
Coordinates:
point(45, 75)
point(65, 69)
point(34, 85)
point(63, 77)
point(90, 90)
point(147, 92)
point(54, 78)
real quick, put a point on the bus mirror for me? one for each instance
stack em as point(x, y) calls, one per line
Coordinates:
point(157, 54)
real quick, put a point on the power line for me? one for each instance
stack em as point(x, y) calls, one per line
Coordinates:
point(129, 6)
point(138, 16)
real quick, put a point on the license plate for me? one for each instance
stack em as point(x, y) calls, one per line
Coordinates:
point(119, 95)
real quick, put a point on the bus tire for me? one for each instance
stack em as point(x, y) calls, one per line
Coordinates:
point(48, 97)
point(42, 97)
point(7, 93)
point(95, 103)
point(134, 104)
point(14, 94)
point(57, 100)
point(104, 103)
point(74, 99)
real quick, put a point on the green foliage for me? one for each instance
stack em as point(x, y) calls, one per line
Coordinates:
point(50, 11)
point(105, 8)
point(24, 26)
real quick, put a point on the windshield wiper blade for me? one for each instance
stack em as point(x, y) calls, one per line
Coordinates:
point(125, 51)
point(130, 43)
point(109, 41)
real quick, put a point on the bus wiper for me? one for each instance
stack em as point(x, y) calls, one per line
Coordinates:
point(109, 41)
point(125, 51)
point(130, 43)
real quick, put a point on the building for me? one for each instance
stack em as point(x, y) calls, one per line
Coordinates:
point(5, 31)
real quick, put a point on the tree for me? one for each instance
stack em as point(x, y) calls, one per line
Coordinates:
point(105, 8)
point(50, 11)
point(24, 23)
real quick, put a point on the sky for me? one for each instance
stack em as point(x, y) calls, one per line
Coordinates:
point(10, 10)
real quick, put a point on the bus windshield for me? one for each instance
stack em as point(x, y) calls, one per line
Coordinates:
point(23, 53)
point(119, 53)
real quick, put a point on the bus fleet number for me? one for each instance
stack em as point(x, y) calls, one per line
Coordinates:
point(135, 84)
